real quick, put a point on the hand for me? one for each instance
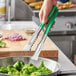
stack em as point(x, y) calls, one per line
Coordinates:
point(45, 10)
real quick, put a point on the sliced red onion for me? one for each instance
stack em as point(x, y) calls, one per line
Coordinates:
point(15, 37)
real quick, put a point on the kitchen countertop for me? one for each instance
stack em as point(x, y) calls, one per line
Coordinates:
point(62, 59)
point(65, 10)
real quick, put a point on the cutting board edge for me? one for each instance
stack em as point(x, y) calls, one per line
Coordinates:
point(29, 53)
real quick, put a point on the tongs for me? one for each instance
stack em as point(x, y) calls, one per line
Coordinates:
point(49, 23)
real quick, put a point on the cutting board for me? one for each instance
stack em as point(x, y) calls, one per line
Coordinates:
point(15, 48)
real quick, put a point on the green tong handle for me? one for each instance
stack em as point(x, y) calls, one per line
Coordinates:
point(51, 21)
point(51, 13)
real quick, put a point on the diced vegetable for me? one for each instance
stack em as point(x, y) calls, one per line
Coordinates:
point(15, 37)
point(35, 74)
point(2, 44)
point(41, 65)
point(19, 65)
point(3, 70)
point(12, 70)
point(29, 68)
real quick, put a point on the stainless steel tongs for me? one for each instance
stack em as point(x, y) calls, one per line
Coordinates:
point(49, 23)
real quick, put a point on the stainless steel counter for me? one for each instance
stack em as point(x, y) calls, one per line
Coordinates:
point(62, 59)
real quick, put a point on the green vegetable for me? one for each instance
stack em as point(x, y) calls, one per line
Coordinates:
point(41, 64)
point(29, 68)
point(3, 70)
point(44, 70)
point(13, 71)
point(10, 67)
point(24, 73)
point(19, 65)
point(2, 44)
point(21, 69)
point(35, 74)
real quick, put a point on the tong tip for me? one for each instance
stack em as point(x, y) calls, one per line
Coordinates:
point(27, 48)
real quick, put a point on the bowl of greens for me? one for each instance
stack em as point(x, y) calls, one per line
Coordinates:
point(20, 66)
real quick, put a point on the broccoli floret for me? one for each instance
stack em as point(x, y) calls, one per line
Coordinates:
point(3, 70)
point(2, 44)
point(44, 70)
point(9, 67)
point(35, 74)
point(32, 68)
point(19, 65)
point(24, 74)
point(29, 68)
point(24, 70)
point(12, 70)
point(41, 64)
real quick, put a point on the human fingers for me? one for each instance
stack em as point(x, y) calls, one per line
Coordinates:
point(45, 16)
point(41, 15)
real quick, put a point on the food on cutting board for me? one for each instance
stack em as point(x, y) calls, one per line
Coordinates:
point(21, 69)
point(2, 44)
point(29, 1)
point(15, 37)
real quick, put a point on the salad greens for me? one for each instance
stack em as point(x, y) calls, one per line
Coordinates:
point(21, 69)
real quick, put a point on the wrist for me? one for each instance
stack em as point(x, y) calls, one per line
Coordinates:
point(54, 2)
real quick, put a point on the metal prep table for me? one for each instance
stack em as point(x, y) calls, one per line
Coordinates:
point(62, 59)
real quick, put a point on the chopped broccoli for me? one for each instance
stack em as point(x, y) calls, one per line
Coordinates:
point(2, 44)
point(25, 70)
point(10, 67)
point(44, 70)
point(19, 65)
point(21, 69)
point(12, 70)
point(35, 74)
point(29, 68)
point(24, 73)
point(41, 64)
point(3, 70)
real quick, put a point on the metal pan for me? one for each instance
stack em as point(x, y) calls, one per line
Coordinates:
point(51, 64)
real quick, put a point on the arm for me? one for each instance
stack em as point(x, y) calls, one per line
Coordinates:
point(45, 10)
